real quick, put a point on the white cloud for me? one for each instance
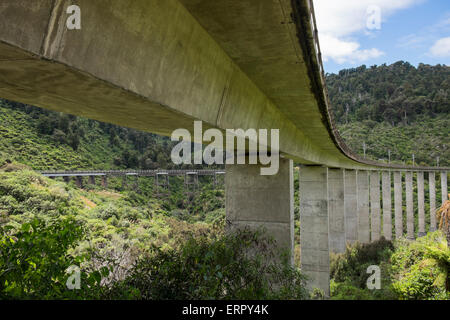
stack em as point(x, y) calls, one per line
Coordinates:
point(343, 51)
point(441, 48)
point(339, 21)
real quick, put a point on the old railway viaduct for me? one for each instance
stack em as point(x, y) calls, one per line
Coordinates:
point(158, 65)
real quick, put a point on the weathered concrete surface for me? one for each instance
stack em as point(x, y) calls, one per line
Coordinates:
point(363, 206)
point(432, 190)
point(421, 203)
point(158, 65)
point(150, 65)
point(409, 205)
point(351, 206)
point(257, 201)
point(375, 208)
point(387, 204)
point(336, 210)
point(398, 203)
point(315, 256)
point(444, 188)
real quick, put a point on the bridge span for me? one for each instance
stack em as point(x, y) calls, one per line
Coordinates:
point(160, 176)
point(158, 65)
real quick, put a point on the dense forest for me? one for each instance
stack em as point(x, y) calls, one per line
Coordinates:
point(399, 93)
point(46, 139)
point(397, 109)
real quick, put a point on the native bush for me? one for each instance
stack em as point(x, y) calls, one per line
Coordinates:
point(240, 265)
point(34, 261)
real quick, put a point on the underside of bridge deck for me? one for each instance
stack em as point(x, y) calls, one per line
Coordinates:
point(159, 65)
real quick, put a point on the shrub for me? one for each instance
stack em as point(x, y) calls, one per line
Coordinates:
point(34, 260)
point(420, 269)
point(242, 265)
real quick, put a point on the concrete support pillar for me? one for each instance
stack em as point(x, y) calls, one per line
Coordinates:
point(362, 197)
point(444, 189)
point(409, 205)
point(105, 182)
point(421, 203)
point(351, 209)
point(387, 205)
point(375, 209)
point(336, 209)
point(432, 190)
point(66, 179)
point(257, 201)
point(398, 202)
point(79, 182)
point(92, 180)
point(315, 256)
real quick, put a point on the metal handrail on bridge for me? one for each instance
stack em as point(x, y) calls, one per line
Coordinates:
point(121, 173)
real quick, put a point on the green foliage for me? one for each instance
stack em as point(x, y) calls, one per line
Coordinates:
point(421, 268)
point(242, 265)
point(397, 107)
point(349, 271)
point(426, 138)
point(398, 93)
point(46, 139)
point(34, 260)
point(410, 270)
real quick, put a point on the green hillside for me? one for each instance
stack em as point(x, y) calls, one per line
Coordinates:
point(394, 107)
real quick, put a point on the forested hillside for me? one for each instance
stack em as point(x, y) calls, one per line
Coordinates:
point(398, 107)
point(45, 139)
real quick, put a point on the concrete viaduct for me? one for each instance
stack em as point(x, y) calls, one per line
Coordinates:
point(158, 65)
point(161, 177)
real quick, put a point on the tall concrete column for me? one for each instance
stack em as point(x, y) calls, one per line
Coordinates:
point(105, 182)
point(375, 219)
point(432, 190)
point(409, 205)
point(444, 189)
point(421, 203)
point(398, 203)
point(362, 199)
point(257, 201)
point(336, 209)
point(387, 205)
point(91, 180)
point(315, 256)
point(351, 209)
point(79, 182)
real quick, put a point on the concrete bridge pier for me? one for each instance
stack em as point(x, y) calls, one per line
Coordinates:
point(362, 201)
point(336, 210)
point(375, 209)
point(387, 205)
point(92, 180)
point(350, 200)
point(257, 201)
point(409, 205)
point(398, 204)
point(314, 230)
point(421, 203)
point(105, 182)
point(79, 182)
point(432, 191)
point(444, 189)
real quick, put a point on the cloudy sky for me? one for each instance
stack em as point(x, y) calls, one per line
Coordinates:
point(411, 30)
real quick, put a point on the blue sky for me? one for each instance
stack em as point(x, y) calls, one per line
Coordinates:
point(410, 30)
